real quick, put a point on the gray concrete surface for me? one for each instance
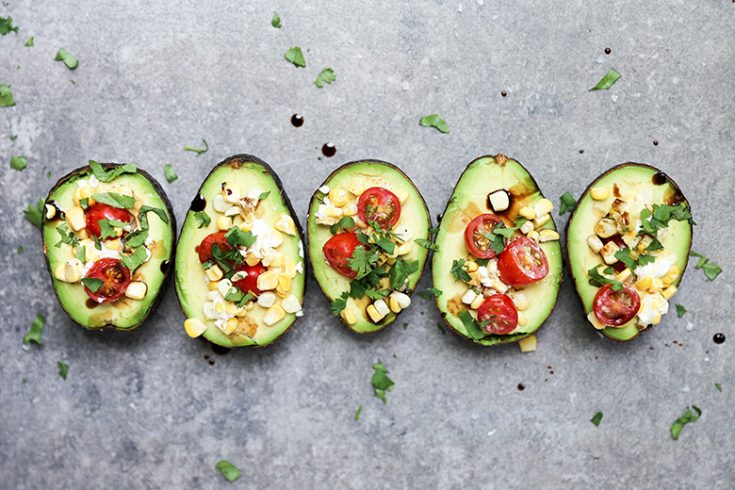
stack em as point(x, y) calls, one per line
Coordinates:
point(146, 410)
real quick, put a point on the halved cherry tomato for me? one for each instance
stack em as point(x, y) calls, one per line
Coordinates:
point(339, 249)
point(474, 235)
point(205, 248)
point(99, 211)
point(380, 205)
point(115, 278)
point(500, 312)
point(522, 262)
point(615, 308)
point(250, 282)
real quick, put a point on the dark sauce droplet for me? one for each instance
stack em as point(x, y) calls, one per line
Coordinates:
point(581, 151)
point(297, 120)
point(198, 204)
point(659, 178)
point(608, 50)
point(219, 350)
point(503, 93)
point(655, 142)
point(719, 338)
point(329, 150)
point(164, 266)
point(439, 217)
point(521, 387)
point(91, 304)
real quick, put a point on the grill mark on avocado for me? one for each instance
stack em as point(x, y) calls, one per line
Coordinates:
point(198, 204)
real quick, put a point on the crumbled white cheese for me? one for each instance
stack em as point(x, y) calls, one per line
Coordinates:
point(658, 268)
point(653, 306)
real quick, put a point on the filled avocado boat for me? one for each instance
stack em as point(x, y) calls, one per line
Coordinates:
point(368, 227)
point(239, 264)
point(498, 266)
point(108, 237)
point(628, 243)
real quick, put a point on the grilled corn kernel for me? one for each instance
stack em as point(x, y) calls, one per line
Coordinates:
point(268, 280)
point(194, 327)
point(548, 235)
point(136, 290)
point(527, 212)
point(251, 259)
point(291, 304)
point(479, 299)
point(644, 284)
point(606, 227)
point(471, 266)
point(528, 344)
point(520, 301)
point(266, 299)
point(608, 253)
point(284, 283)
point(373, 314)
point(522, 320)
point(594, 243)
point(499, 200)
point(404, 249)
point(286, 225)
point(75, 217)
point(214, 273)
point(543, 206)
point(594, 321)
point(224, 223)
point(349, 316)
point(623, 275)
point(468, 297)
point(338, 196)
point(600, 193)
point(382, 307)
point(527, 227)
point(534, 235)
point(274, 315)
point(393, 303)
point(350, 209)
point(219, 204)
point(541, 220)
point(50, 211)
point(229, 326)
point(669, 292)
point(113, 244)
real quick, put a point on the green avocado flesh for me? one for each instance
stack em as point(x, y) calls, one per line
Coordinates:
point(470, 199)
point(244, 173)
point(414, 217)
point(650, 186)
point(124, 314)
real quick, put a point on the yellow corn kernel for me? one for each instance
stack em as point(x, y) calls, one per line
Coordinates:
point(230, 308)
point(471, 266)
point(643, 284)
point(527, 212)
point(656, 319)
point(623, 275)
point(251, 259)
point(219, 307)
point(674, 271)
point(224, 223)
point(338, 196)
point(230, 326)
point(403, 249)
point(479, 299)
point(541, 220)
point(522, 320)
point(112, 244)
point(284, 283)
point(669, 292)
point(333, 212)
point(268, 280)
point(657, 284)
point(394, 306)
point(75, 217)
point(194, 327)
point(520, 301)
point(212, 286)
point(274, 315)
point(350, 209)
point(214, 273)
point(273, 260)
point(666, 281)
point(534, 235)
point(600, 193)
point(349, 316)
point(246, 226)
point(543, 206)
point(528, 344)
point(548, 235)
point(374, 315)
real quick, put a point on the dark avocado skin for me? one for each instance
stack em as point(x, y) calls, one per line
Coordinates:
point(585, 192)
point(109, 327)
point(501, 339)
point(409, 292)
point(234, 162)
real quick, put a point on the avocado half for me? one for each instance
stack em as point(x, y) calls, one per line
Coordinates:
point(644, 180)
point(414, 216)
point(246, 172)
point(124, 314)
point(469, 199)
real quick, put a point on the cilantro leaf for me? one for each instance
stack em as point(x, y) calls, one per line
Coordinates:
point(169, 173)
point(567, 203)
point(237, 296)
point(363, 260)
point(718, 386)
point(29, 43)
point(434, 121)
point(380, 380)
point(276, 20)
point(427, 244)
point(81, 254)
point(430, 293)
point(690, 415)
point(69, 60)
point(345, 223)
point(198, 151)
point(203, 218)
point(238, 238)
point(654, 245)
point(134, 260)
point(6, 96)
point(376, 294)
point(598, 280)
point(623, 255)
point(596, 419)
point(157, 211)
point(386, 244)
point(63, 369)
point(18, 163)
point(6, 26)
point(470, 324)
point(65, 237)
point(263, 195)
point(21, 249)
point(710, 269)
point(400, 272)
point(107, 227)
point(114, 172)
point(136, 239)
point(607, 81)
point(33, 213)
point(115, 200)
point(458, 271)
point(358, 412)
point(325, 76)
point(229, 471)
point(295, 56)
point(357, 289)
point(680, 310)
point(340, 303)
point(36, 331)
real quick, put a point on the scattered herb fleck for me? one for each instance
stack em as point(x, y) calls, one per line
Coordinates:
point(458, 271)
point(29, 43)
point(21, 249)
point(718, 386)
point(325, 76)
point(434, 121)
point(18, 163)
point(114, 172)
point(168, 172)
point(680, 310)
point(229, 471)
point(33, 213)
point(198, 151)
point(430, 293)
point(276, 20)
point(358, 413)
point(36, 331)
point(63, 369)
point(690, 415)
point(596, 419)
point(340, 303)
point(69, 60)
point(92, 283)
point(567, 203)
point(6, 26)
point(607, 81)
point(203, 218)
point(295, 56)
point(6, 96)
point(380, 380)
point(710, 269)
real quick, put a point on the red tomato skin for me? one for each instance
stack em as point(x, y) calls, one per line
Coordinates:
point(338, 249)
point(205, 248)
point(469, 235)
point(383, 197)
point(606, 294)
point(513, 258)
point(250, 282)
point(502, 308)
point(99, 271)
point(99, 211)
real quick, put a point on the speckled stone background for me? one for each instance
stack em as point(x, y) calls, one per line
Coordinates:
point(147, 410)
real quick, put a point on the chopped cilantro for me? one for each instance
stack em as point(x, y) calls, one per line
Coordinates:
point(718, 386)
point(66, 236)
point(238, 238)
point(710, 269)
point(196, 150)
point(295, 56)
point(376, 294)
point(386, 244)
point(567, 203)
point(92, 283)
point(380, 380)
point(430, 293)
point(229, 471)
point(657, 218)
point(441, 329)
point(596, 419)
point(63, 369)
point(344, 224)
point(6, 26)
point(203, 218)
point(115, 200)
point(36, 331)
point(340, 303)
point(363, 260)
point(276, 20)
point(157, 211)
point(427, 244)
point(400, 272)
point(654, 245)
point(263, 195)
point(136, 239)
point(680, 310)
point(458, 271)
point(434, 121)
point(470, 324)
point(97, 243)
point(134, 260)
point(29, 43)
point(69, 60)
point(33, 213)
point(598, 280)
point(81, 254)
point(690, 415)
point(607, 81)
point(21, 249)
point(325, 76)
point(114, 172)
point(358, 412)
point(107, 227)
point(168, 172)
point(18, 163)
point(238, 297)
point(6, 96)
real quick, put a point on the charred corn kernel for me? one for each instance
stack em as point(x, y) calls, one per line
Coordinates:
point(231, 195)
point(382, 307)
point(600, 193)
point(471, 266)
point(266, 299)
point(404, 300)
point(348, 316)
point(393, 304)
point(404, 249)
point(469, 296)
point(666, 281)
point(479, 299)
point(606, 227)
point(674, 271)
point(350, 209)
point(284, 283)
point(499, 286)
point(136, 290)
point(543, 206)
point(224, 287)
point(527, 227)
point(59, 272)
point(194, 327)
point(72, 271)
point(623, 275)
point(522, 320)
point(286, 224)
point(534, 235)
point(669, 292)
point(251, 259)
point(373, 314)
point(50, 211)
point(548, 235)
point(214, 273)
point(643, 284)
point(499, 200)
point(229, 326)
point(520, 301)
point(113, 244)
point(75, 217)
point(232, 211)
point(594, 321)
point(594, 243)
point(267, 281)
point(219, 307)
point(608, 253)
point(541, 220)
point(528, 344)
point(224, 223)
point(219, 204)
point(338, 197)
point(291, 304)
point(527, 212)
point(657, 284)
point(332, 211)
point(274, 315)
